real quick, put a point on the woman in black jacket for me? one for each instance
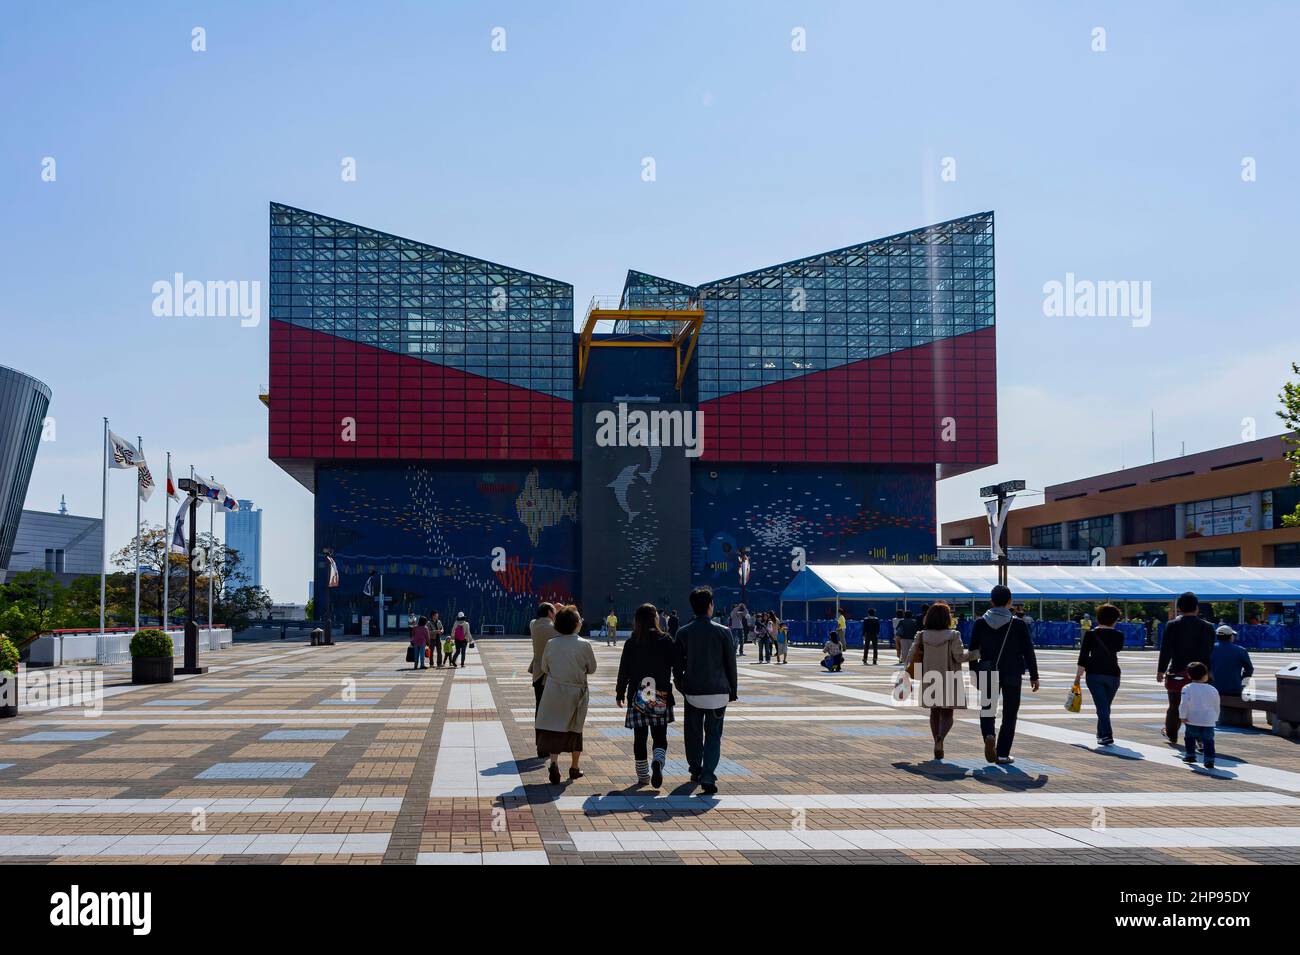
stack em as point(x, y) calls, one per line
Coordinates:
point(1099, 666)
point(645, 681)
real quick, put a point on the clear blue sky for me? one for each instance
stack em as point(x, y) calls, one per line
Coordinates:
point(1117, 165)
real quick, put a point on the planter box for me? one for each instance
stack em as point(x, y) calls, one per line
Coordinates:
point(152, 670)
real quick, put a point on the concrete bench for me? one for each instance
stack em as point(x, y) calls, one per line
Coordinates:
point(1236, 712)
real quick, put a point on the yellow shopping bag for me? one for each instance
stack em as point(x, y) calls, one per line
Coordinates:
point(1074, 702)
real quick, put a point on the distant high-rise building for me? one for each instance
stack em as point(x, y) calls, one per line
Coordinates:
point(244, 534)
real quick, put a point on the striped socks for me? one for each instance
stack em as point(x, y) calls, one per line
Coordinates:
point(643, 769)
point(661, 755)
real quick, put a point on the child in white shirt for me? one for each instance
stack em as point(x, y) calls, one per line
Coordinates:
point(1198, 707)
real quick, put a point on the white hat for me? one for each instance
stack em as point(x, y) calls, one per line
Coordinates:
point(1224, 628)
point(460, 615)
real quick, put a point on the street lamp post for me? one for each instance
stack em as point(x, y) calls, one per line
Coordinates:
point(191, 487)
point(997, 522)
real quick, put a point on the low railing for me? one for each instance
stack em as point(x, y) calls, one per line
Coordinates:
point(616, 303)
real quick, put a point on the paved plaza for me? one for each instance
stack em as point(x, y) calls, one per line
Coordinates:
point(287, 754)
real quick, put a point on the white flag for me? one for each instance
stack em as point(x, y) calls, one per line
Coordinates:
point(171, 484)
point(334, 572)
point(145, 481)
point(124, 453)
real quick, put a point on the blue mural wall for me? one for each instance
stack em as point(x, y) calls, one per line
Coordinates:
point(838, 514)
point(431, 530)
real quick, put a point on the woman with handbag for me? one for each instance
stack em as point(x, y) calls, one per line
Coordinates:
point(1099, 661)
point(566, 663)
point(937, 656)
point(645, 681)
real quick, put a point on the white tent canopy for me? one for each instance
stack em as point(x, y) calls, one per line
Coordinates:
point(966, 582)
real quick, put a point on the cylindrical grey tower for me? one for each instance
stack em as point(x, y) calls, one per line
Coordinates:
point(23, 404)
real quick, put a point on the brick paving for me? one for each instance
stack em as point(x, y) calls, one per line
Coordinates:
point(287, 754)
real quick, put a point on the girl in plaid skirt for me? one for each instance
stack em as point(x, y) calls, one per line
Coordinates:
point(645, 683)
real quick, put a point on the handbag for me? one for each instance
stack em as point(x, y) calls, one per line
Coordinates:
point(410, 654)
point(1074, 702)
point(915, 657)
point(902, 687)
point(650, 703)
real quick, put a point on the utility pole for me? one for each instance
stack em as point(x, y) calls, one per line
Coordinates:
point(997, 498)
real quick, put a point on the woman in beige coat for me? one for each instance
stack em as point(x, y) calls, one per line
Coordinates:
point(566, 663)
point(939, 654)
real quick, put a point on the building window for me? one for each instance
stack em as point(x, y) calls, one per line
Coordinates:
point(1149, 524)
point(54, 560)
point(1223, 557)
point(1221, 515)
point(1279, 503)
point(1286, 555)
point(1045, 537)
point(1091, 532)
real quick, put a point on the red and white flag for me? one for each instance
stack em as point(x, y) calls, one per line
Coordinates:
point(171, 484)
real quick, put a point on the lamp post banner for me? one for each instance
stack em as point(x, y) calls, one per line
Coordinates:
point(997, 519)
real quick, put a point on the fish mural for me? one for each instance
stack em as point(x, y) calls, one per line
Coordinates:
point(621, 484)
point(539, 508)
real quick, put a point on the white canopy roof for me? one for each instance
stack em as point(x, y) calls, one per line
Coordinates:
point(1052, 582)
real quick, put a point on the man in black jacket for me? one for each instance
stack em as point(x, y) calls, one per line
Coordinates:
point(905, 630)
point(1188, 639)
point(871, 637)
point(1006, 652)
point(705, 673)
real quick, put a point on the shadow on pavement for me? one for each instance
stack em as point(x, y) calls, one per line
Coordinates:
point(1004, 777)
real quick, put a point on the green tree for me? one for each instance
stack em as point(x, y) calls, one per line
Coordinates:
point(31, 603)
point(1290, 415)
point(239, 605)
point(156, 559)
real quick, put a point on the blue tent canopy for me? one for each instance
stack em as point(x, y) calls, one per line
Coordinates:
point(962, 581)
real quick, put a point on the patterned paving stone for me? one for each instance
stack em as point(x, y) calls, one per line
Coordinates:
point(359, 701)
point(729, 767)
point(176, 702)
point(876, 731)
point(241, 770)
point(823, 755)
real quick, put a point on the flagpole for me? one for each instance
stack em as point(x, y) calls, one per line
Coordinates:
point(139, 443)
point(103, 519)
point(212, 544)
point(167, 543)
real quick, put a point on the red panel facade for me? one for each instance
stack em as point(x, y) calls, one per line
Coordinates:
point(403, 407)
point(885, 410)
